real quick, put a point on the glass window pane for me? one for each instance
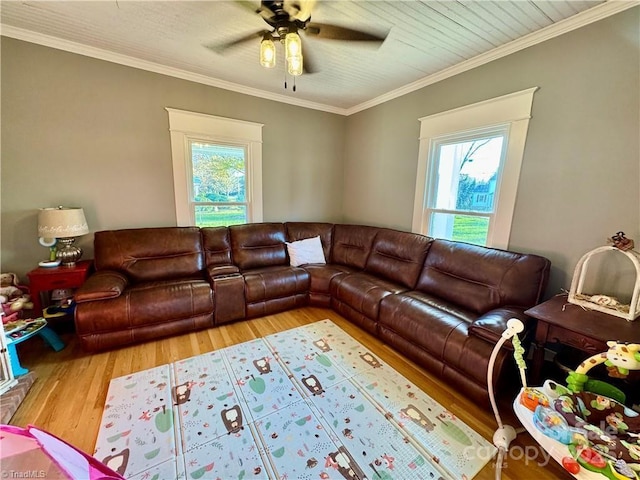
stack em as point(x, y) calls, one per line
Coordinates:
point(219, 173)
point(461, 228)
point(220, 216)
point(467, 174)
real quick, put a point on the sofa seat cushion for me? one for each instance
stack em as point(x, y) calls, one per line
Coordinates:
point(469, 354)
point(145, 304)
point(362, 292)
point(442, 331)
point(275, 282)
point(321, 276)
point(426, 320)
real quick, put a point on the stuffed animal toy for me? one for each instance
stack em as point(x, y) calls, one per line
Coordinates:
point(9, 286)
point(7, 315)
point(13, 297)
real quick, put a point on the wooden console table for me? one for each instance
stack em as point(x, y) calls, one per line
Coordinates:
point(587, 330)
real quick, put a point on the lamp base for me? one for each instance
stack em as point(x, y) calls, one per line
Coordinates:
point(67, 252)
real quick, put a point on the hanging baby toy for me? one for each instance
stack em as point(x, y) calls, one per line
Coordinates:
point(585, 426)
point(619, 359)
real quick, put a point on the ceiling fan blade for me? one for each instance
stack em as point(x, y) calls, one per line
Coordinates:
point(300, 9)
point(333, 32)
point(254, 7)
point(221, 47)
point(308, 63)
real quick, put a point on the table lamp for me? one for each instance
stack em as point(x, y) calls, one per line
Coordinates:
point(64, 224)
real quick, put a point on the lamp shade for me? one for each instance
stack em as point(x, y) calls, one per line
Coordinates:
point(62, 222)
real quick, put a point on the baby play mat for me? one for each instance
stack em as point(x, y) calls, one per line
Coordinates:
point(307, 403)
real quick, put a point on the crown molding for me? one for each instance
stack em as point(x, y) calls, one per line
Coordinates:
point(100, 54)
point(604, 10)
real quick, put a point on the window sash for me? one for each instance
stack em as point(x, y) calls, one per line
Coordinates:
point(458, 229)
point(468, 136)
point(247, 175)
point(219, 204)
point(469, 213)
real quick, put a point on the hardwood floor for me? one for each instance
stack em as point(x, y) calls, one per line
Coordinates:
point(70, 391)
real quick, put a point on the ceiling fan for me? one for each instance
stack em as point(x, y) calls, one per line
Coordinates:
point(285, 19)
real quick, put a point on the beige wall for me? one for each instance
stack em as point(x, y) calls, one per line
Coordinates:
point(580, 179)
point(80, 131)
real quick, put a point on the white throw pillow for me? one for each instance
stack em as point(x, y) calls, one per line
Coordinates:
point(306, 251)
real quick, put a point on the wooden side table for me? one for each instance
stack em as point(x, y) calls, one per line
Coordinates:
point(586, 330)
point(43, 279)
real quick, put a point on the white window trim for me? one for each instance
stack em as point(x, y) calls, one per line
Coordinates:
point(191, 126)
point(514, 110)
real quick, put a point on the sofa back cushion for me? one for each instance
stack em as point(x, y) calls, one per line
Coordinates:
point(147, 254)
point(257, 245)
point(302, 230)
point(216, 243)
point(481, 279)
point(352, 245)
point(398, 256)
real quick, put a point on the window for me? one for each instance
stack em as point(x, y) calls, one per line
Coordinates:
point(218, 194)
point(468, 169)
point(217, 169)
point(462, 186)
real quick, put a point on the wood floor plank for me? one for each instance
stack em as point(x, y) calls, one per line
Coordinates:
point(70, 391)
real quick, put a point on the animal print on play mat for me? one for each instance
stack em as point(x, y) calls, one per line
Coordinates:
point(306, 403)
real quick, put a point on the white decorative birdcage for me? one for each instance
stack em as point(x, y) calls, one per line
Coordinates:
point(600, 302)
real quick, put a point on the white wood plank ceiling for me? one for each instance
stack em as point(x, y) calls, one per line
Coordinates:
point(426, 39)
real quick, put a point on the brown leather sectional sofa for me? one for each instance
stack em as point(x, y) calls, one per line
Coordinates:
point(442, 304)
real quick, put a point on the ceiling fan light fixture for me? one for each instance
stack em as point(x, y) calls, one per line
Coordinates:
point(295, 66)
point(292, 45)
point(267, 52)
point(285, 19)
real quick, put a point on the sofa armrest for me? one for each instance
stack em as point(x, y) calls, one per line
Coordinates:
point(102, 285)
point(492, 324)
point(222, 271)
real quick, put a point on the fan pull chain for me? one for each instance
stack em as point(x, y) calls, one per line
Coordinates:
point(285, 81)
point(285, 76)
